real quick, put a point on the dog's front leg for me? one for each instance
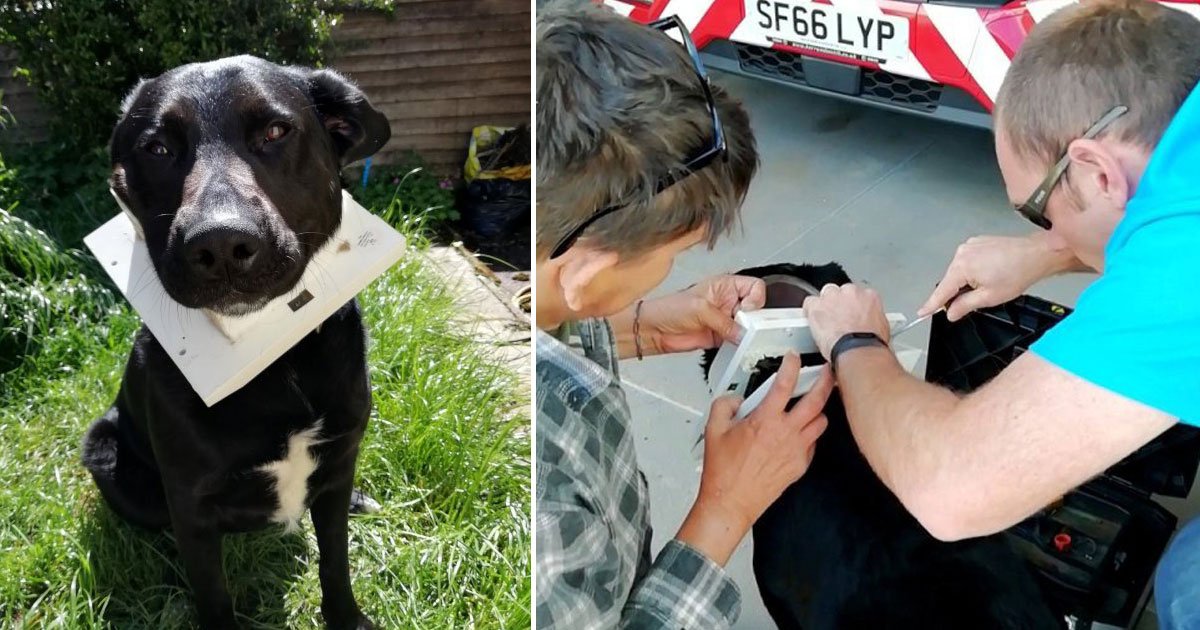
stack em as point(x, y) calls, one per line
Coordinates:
point(330, 516)
point(200, 548)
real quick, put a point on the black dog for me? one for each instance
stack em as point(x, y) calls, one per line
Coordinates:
point(232, 167)
point(838, 550)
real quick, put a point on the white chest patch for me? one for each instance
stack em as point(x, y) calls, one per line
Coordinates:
point(291, 476)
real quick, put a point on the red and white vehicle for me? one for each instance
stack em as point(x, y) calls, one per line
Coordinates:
point(939, 59)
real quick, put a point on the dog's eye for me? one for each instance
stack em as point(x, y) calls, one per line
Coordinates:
point(158, 149)
point(275, 132)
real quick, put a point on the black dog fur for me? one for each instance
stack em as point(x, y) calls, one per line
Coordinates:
point(838, 550)
point(232, 167)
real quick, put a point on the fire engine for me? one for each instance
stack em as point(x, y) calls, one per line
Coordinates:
point(943, 60)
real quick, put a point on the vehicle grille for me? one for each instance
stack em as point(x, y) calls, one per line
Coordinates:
point(893, 88)
point(773, 63)
point(876, 85)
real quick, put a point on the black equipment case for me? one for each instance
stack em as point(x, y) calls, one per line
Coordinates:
point(1094, 551)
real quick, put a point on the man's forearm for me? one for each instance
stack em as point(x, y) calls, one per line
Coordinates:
point(712, 530)
point(623, 331)
point(904, 427)
point(622, 327)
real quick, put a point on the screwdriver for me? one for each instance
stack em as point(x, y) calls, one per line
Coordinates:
point(913, 324)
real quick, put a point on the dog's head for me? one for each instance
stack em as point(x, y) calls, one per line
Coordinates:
point(232, 169)
point(787, 287)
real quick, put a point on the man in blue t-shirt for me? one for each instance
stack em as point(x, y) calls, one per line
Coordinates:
point(1098, 140)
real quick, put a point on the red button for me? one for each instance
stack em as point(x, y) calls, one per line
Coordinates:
point(1062, 541)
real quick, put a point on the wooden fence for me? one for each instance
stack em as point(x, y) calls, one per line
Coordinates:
point(21, 101)
point(436, 68)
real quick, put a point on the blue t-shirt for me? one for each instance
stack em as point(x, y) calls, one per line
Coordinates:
point(1136, 330)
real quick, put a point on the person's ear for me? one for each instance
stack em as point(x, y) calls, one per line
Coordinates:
point(1097, 172)
point(581, 266)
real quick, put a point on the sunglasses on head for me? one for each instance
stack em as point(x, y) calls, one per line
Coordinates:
point(674, 29)
point(1034, 208)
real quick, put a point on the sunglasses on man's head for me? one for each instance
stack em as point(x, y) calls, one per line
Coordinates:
point(674, 28)
point(1034, 208)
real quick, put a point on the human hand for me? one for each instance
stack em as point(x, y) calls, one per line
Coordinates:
point(701, 316)
point(994, 270)
point(749, 463)
point(842, 310)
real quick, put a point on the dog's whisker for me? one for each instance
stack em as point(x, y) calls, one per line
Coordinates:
point(324, 278)
point(144, 281)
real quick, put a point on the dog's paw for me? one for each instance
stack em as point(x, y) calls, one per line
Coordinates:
point(363, 504)
point(100, 446)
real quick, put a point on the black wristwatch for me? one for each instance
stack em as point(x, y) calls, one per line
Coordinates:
point(849, 341)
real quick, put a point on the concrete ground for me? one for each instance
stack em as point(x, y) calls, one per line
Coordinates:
point(888, 196)
point(486, 311)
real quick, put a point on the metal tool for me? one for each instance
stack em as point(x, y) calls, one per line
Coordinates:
point(912, 324)
point(896, 332)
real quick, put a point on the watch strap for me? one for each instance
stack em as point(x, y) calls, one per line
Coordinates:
point(850, 341)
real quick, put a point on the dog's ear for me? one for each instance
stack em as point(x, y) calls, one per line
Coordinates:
point(357, 129)
point(132, 97)
point(123, 120)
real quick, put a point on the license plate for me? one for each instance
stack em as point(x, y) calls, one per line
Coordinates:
point(821, 27)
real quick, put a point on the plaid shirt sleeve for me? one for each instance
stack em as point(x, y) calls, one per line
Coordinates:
point(590, 525)
point(684, 589)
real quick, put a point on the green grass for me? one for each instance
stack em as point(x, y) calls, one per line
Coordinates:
point(447, 454)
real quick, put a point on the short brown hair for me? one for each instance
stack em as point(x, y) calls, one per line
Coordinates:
point(1085, 59)
point(618, 106)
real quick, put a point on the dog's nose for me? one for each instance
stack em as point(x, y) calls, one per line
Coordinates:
point(221, 249)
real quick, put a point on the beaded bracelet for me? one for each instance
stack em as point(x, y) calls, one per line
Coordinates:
point(637, 329)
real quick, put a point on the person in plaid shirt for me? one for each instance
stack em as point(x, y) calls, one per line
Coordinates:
point(639, 159)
